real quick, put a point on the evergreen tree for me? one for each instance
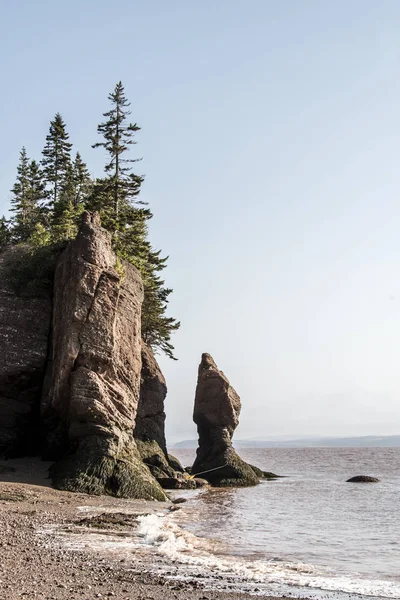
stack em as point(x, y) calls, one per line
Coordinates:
point(82, 180)
point(5, 233)
point(118, 136)
point(28, 192)
point(37, 192)
point(133, 245)
point(66, 211)
point(56, 157)
point(19, 199)
point(115, 197)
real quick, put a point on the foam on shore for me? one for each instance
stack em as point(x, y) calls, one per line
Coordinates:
point(160, 546)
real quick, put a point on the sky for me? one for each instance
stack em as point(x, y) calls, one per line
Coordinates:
point(271, 150)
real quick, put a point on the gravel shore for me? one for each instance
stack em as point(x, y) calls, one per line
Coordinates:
point(32, 567)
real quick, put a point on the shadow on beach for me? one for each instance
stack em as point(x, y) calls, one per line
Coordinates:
point(28, 470)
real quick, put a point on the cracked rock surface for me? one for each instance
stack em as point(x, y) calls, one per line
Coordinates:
point(24, 329)
point(93, 379)
point(216, 413)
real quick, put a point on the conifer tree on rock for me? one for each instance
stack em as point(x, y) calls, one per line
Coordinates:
point(115, 197)
point(66, 211)
point(82, 180)
point(118, 136)
point(28, 193)
point(19, 200)
point(5, 233)
point(37, 187)
point(56, 157)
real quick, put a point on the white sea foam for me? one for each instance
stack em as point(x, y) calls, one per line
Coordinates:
point(188, 551)
point(170, 550)
point(156, 530)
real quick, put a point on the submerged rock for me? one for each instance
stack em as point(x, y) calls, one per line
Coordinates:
point(264, 474)
point(363, 479)
point(94, 380)
point(216, 414)
point(24, 329)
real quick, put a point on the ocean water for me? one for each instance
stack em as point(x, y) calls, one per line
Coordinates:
point(307, 535)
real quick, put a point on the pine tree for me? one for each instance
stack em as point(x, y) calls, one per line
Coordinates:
point(56, 157)
point(37, 191)
point(19, 200)
point(66, 211)
point(118, 136)
point(5, 233)
point(82, 180)
point(115, 197)
point(28, 192)
point(133, 245)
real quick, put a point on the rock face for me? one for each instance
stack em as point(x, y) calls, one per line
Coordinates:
point(363, 479)
point(150, 421)
point(24, 329)
point(150, 418)
point(216, 414)
point(93, 379)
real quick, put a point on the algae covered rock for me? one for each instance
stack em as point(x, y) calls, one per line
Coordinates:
point(175, 464)
point(264, 474)
point(216, 414)
point(94, 381)
point(152, 456)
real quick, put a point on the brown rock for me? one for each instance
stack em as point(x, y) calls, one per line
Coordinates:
point(95, 371)
point(216, 414)
point(150, 418)
point(172, 483)
point(24, 327)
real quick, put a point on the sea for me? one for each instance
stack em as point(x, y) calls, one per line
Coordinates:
point(308, 534)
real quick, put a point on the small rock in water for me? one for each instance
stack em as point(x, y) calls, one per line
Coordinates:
point(363, 479)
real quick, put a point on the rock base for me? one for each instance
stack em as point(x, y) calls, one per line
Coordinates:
point(225, 469)
point(93, 469)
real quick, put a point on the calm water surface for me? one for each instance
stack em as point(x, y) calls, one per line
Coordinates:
point(347, 532)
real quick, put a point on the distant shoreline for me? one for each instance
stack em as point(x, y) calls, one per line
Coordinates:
point(368, 441)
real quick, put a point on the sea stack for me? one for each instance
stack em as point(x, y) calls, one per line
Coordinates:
point(149, 431)
point(93, 379)
point(216, 414)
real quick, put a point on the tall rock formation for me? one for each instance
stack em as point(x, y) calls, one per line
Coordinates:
point(93, 383)
point(24, 329)
point(216, 414)
point(150, 420)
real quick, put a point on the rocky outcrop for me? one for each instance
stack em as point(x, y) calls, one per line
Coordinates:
point(363, 479)
point(93, 383)
point(24, 329)
point(150, 421)
point(216, 414)
point(150, 418)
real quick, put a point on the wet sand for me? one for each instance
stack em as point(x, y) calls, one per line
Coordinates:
point(34, 566)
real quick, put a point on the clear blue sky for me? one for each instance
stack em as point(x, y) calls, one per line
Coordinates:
point(271, 148)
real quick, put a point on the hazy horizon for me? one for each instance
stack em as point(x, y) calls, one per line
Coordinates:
point(271, 143)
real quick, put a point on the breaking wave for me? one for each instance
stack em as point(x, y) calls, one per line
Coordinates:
point(195, 557)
